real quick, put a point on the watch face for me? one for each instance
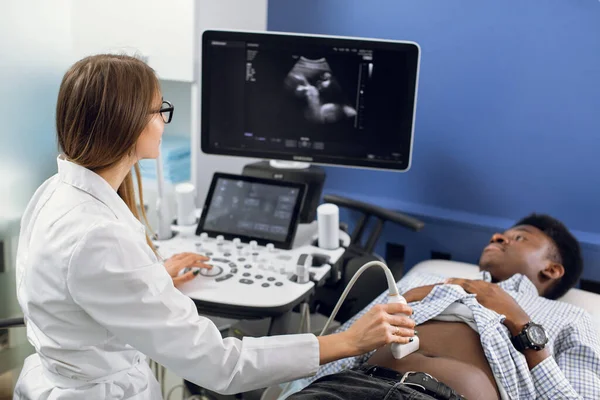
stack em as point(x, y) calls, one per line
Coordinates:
point(537, 335)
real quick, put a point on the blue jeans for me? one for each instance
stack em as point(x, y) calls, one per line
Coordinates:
point(366, 383)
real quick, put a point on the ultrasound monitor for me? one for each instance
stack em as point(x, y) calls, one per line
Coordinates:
point(309, 98)
point(252, 208)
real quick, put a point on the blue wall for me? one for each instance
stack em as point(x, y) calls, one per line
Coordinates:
point(508, 114)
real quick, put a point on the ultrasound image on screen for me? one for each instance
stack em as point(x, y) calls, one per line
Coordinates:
point(302, 98)
point(320, 95)
point(251, 209)
point(310, 101)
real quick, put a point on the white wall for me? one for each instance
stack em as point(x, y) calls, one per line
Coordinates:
point(35, 52)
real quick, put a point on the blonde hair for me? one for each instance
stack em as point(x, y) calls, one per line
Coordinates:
point(104, 103)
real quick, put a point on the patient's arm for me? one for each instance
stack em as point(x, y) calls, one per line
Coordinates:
point(574, 371)
point(418, 293)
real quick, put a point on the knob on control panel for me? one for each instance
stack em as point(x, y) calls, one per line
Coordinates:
point(214, 271)
point(253, 244)
point(304, 261)
point(220, 239)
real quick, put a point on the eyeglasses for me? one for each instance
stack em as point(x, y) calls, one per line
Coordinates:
point(166, 111)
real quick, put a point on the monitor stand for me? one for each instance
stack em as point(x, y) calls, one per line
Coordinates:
point(292, 171)
point(289, 164)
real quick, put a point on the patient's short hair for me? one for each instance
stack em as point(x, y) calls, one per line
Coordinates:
point(567, 251)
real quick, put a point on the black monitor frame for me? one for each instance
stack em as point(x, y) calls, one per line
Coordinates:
point(291, 234)
point(302, 40)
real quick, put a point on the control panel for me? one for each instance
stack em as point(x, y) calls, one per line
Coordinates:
point(248, 280)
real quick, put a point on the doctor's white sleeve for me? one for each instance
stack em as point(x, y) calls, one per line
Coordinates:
point(115, 279)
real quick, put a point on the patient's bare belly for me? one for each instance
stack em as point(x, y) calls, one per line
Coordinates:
point(452, 353)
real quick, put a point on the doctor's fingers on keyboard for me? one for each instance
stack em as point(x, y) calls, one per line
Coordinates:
point(188, 276)
point(192, 260)
point(190, 256)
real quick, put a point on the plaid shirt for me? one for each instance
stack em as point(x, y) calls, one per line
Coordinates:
point(572, 373)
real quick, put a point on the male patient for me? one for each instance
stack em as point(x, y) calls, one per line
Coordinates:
point(481, 340)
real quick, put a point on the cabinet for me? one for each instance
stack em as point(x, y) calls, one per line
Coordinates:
point(161, 32)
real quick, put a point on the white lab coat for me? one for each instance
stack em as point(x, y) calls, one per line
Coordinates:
point(96, 299)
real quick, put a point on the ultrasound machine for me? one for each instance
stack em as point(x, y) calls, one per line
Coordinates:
point(262, 264)
point(299, 102)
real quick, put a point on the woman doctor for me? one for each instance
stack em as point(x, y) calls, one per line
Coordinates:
point(96, 298)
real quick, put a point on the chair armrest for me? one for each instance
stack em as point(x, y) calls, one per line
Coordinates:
point(11, 322)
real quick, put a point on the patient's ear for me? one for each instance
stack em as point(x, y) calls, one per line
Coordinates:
point(553, 271)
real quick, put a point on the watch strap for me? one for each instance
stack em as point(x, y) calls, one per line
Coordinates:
point(521, 341)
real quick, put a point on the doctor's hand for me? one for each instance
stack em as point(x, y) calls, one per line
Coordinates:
point(378, 327)
point(185, 260)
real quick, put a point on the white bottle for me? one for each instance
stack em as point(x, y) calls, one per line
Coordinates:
point(186, 209)
point(328, 225)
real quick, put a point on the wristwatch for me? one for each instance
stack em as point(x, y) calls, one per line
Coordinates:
point(532, 336)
